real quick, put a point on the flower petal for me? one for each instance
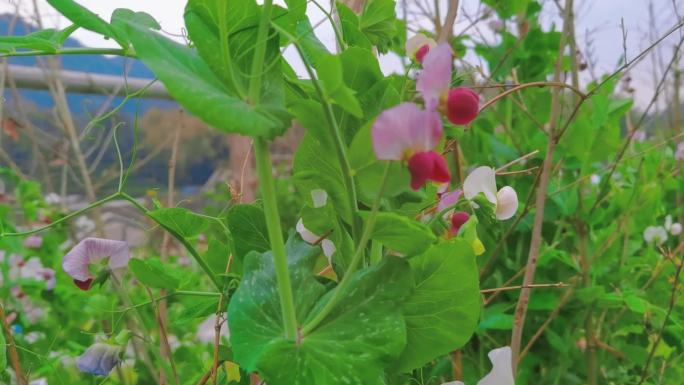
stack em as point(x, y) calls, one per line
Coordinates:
point(668, 222)
point(33, 242)
point(435, 79)
point(676, 228)
point(481, 180)
point(75, 262)
point(319, 197)
point(506, 203)
point(405, 129)
point(425, 166)
point(502, 369)
point(99, 359)
point(457, 220)
point(306, 235)
point(417, 43)
point(329, 249)
point(449, 199)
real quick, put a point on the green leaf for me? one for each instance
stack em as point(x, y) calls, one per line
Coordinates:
point(312, 48)
point(217, 255)
point(377, 22)
point(121, 17)
point(507, 8)
point(193, 84)
point(442, 312)
point(86, 19)
point(247, 224)
point(330, 73)
point(358, 338)
point(153, 273)
point(181, 221)
point(400, 233)
point(313, 171)
point(199, 308)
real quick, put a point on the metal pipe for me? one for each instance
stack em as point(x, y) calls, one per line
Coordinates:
point(87, 83)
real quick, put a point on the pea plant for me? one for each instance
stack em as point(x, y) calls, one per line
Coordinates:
point(418, 196)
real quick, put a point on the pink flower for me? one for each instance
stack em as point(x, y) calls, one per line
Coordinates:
point(408, 133)
point(91, 250)
point(33, 242)
point(483, 180)
point(461, 105)
point(448, 199)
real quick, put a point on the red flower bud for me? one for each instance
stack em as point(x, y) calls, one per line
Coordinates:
point(425, 166)
point(457, 220)
point(462, 105)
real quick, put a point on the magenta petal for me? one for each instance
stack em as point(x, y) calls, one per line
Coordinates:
point(449, 199)
point(457, 220)
point(435, 79)
point(405, 129)
point(76, 261)
point(425, 166)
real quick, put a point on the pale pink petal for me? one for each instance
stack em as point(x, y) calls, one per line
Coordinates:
point(676, 228)
point(453, 383)
point(90, 250)
point(435, 79)
point(33, 242)
point(403, 130)
point(328, 249)
point(481, 180)
point(502, 369)
point(449, 199)
point(506, 203)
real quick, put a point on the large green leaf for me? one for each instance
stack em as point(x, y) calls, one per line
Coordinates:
point(316, 167)
point(442, 312)
point(225, 33)
point(181, 221)
point(192, 83)
point(247, 225)
point(401, 234)
point(352, 345)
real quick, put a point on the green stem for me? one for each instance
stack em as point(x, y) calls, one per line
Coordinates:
point(340, 147)
point(358, 255)
point(267, 184)
point(275, 235)
point(71, 51)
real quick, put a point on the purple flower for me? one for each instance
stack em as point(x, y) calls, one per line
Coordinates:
point(33, 242)
point(91, 250)
point(99, 359)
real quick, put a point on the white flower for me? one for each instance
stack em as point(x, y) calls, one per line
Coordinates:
point(483, 180)
point(502, 369)
point(658, 234)
point(319, 198)
point(674, 228)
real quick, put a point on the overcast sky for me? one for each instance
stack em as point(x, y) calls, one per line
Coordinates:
point(598, 24)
